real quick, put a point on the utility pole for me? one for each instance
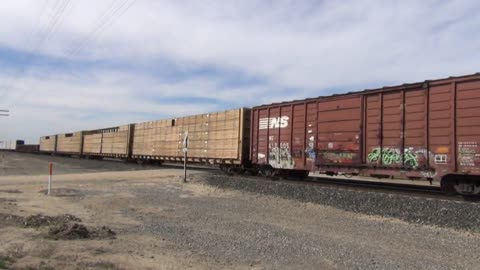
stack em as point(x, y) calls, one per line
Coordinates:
point(4, 113)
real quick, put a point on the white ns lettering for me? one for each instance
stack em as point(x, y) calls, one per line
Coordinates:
point(274, 122)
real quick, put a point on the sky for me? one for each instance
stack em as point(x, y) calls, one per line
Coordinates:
point(70, 65)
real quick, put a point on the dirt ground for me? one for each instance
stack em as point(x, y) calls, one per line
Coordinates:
point(33, 164)
point(159, 222)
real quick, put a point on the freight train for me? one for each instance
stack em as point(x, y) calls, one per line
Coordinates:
point(427, 131)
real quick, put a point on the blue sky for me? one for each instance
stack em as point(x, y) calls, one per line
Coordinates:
point(67, 66)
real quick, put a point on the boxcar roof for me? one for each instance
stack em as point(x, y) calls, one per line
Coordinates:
point(376, 90)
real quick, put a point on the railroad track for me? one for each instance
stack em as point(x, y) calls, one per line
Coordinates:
point(411, 188)
point(423, 191)
point(433, 192)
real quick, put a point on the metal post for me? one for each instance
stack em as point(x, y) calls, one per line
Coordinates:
point(185, 166)
point(50, 165)
point(185, 150)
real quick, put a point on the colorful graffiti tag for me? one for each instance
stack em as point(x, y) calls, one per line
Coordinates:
point(338, 157)
point(391, 156)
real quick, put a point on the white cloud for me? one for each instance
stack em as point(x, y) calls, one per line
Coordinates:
point(313, 47)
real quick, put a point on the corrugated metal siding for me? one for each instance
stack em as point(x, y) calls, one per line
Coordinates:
point(298, 127)
point(415, 125)
point(339, 131)
point(417, 130)
point(277, 138)
point(468, 127)
point(441, 127)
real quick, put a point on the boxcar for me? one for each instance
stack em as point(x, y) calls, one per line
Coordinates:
point(69, 143)
point(48, 144)
point(428, 130)
point(215, 138)
point(108, 142)
point(27, 148)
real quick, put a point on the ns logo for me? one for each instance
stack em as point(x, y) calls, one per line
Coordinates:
point(273, 122)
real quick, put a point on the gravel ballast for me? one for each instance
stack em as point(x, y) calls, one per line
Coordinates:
point(257, 230)
point(411, 208)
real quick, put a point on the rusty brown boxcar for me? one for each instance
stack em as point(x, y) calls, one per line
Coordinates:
point(428, 130)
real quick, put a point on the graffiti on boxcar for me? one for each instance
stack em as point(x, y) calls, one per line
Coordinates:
point(310, 150)
point(338, 157)
point(280, 157)
point(394, 156)
point(261, 157)
point(429, 174)
point(467, 153)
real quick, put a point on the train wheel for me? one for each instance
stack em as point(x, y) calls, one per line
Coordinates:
point(240, 170)
point(301, 174)
point(230, 170)
point(460, 185)
point(447, 185)
point(467, 187)
point(276, 175)
point(266, 172)
point(224, 168)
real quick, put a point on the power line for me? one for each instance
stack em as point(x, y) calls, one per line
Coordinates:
point(4, 112)
point(103, 22)
point(56, 18)
point(29, 38)
point(97, 22)
point(116, 13)
point(45, 33)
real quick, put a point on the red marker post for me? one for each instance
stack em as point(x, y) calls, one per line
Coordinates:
point(185, 150)
point(50, 165)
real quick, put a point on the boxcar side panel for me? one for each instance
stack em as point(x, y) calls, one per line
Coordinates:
point(468, 127)
point(392, 132)
point(298, 128)
point(116, 141)
point(262, 136)
point(339, 131)
point(421, 130)
point(214, 137)
point(310, 135)
point(441, 129)
point(373, 130)
point(70, 143)
point(415, 153)
point(280, 139)
point(48, 143)
point(92, 144)
point(283, 134)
